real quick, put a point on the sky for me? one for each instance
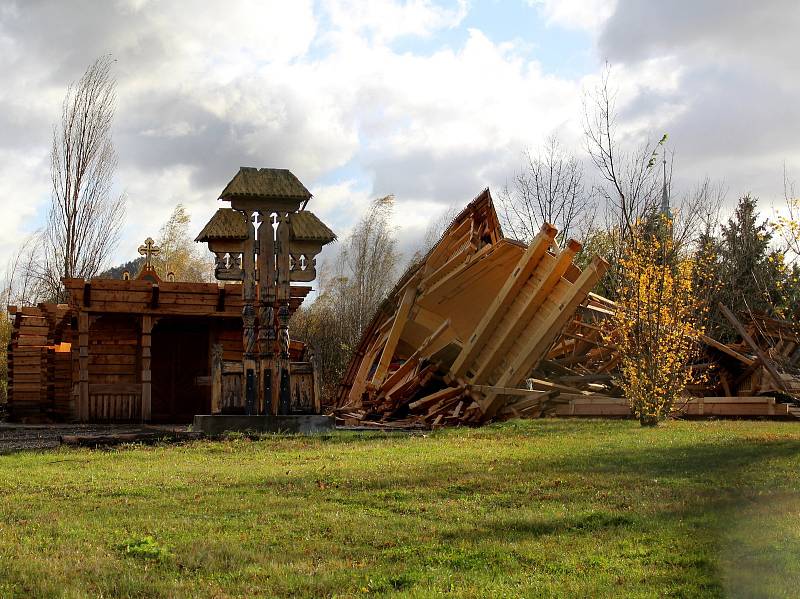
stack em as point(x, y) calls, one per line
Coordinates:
point(431, 101)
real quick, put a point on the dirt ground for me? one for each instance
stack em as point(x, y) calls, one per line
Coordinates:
point(18, 437)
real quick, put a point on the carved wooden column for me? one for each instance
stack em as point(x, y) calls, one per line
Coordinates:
point(216, 378)
point(268, 382)
point(249, 317)
point(283, 310)
point(83, 366)
point(147, 375)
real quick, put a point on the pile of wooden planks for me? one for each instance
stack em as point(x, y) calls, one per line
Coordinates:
point(461, 332)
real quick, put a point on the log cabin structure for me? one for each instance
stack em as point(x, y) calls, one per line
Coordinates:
point(149, 350)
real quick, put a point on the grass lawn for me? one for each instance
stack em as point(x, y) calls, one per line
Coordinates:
point(524, 509)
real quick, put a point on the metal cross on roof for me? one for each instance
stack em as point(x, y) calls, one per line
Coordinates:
point(148, 250)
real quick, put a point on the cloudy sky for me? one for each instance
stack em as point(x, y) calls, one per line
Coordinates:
point(431, 101)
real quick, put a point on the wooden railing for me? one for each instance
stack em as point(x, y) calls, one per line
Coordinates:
point(117, 403)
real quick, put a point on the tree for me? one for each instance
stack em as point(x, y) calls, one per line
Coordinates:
point(85, 217)
point(656, 326)
point(632, 187)
point(366, 269)
point(549, 189)
point(177, 251)
point(751, 272)
point(362, 277)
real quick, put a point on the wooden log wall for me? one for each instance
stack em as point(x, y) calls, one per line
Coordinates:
point(38, 381)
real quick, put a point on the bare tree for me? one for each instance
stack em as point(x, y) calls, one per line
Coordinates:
point(550, 189)
point(361, 278)
point(632, 183)
point(85, 216)
point(367, 266)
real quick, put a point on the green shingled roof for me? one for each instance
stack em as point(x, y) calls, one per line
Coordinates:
point(268, 183)
point(226, 223)
point(307, 227)
point(229, 224)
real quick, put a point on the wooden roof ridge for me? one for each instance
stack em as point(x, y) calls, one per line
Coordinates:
point(268, 183)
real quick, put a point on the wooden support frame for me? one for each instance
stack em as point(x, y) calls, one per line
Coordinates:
point(507, 336)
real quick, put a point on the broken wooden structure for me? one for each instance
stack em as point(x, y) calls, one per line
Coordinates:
point(463, 329)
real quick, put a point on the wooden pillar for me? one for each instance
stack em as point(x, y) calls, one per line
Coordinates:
point(147, 375)
point(216, 378)
point(282, 293)
point(268, 382)
point(249, 384)
point(83, 366)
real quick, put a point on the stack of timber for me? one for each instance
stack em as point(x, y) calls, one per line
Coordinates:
point(39, 389)
point(460, 334)
point(758, 375)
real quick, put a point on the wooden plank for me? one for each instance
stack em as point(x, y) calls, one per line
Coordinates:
point(400, 320)
point(532, 350)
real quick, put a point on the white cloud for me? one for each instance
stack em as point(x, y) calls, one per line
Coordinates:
point(385, 20)
point(576, 14)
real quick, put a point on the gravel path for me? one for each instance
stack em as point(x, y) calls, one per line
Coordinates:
point(19, 437)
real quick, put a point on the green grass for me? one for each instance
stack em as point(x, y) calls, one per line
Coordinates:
point(524, 509)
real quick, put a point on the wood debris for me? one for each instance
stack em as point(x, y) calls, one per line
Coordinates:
point(458, 337)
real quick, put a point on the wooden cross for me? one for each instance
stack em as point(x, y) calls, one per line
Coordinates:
point(148, 250)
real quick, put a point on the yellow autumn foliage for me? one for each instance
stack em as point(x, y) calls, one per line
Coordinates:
point(657, 324)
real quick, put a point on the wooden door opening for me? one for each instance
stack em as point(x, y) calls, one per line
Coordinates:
point(181, 369)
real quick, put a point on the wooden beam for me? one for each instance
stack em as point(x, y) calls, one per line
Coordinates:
point(756, 349)
point(529, 261)
point(400, 320)
point(726, 350)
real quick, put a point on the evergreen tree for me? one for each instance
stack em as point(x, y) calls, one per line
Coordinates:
point(750, 274)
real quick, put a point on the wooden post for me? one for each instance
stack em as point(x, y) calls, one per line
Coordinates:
point(266, 315)
point(249, 316)
point(283, 312)
point(147, 375)
point(83, 366)
point(216, 378)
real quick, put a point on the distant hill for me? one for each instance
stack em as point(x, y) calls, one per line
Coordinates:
point(116, 272)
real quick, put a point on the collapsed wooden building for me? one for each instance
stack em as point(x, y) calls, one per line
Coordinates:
point(486, 328)
point(150, 350)
point(458, 337)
